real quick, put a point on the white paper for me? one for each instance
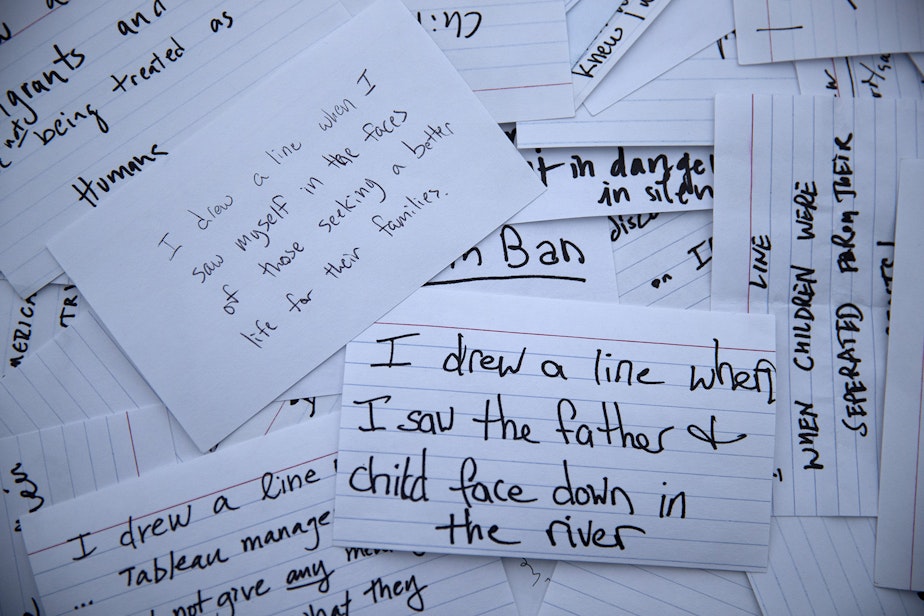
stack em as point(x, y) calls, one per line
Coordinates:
point(685, 28)
point(39, 469)
point(918, 60)
point(825, 566)
point(513, 54)
point(506, 457)
point(780, 30)
point(584, 20)
point(883, 76)
point(30, 323)
point(529, 579)
point(677, 108)
point(663, 259)
point(899, 559)
point(561, 258)
point(325, 380)
point(313, 222)
point(627, 24)
point(260, 514)
point(605, 181)
point(185, 60)
point(804, 226)
point(78, 375)
point(595, 588)
point(279, 415)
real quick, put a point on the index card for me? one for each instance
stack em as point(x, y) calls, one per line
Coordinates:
point(663, 259)
point(804, 228)
point(882, 76)
point(79, 374)
point(242, 531)
point(918, 60)
point(615, 37)
point(899, 559)
point(31, 322)
point(677, 108)
point(513, 54)
point(682, 30)
point(780, 30)
point(550, 259)
point(109, 94)
point(280, 415)
point(559, 429)
point(595, 588)
point(604, 181)
point(270, 244)
point(824, 565)
point(39, 469)
point(529, 579)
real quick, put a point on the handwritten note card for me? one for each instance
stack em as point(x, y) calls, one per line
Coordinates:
point(39, 469)
point(881, 76)
point(513, 54)
point(603, 181)
point(559, 429)
point(899, 552)
point(779, 30)
point(110, 90)
point(804, 228)
point(548, 259)
point(630, 19)
point(242, 531)
point(31, 322)
point(663, 259)
point(79, 374)
point(684, 28)
point(529, 579)
point(266, 245)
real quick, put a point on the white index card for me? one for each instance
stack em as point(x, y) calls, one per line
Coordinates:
point(597, 588)
point(883, 76)
point(513, 54)
point(39, 469)
point(559, 429)
point(899, 559)
point(676, 108)
point(554, 258)
point(606, 181)
point(244, 530)
point(823, 565)
point(119, 86)
point(627, 24)
point(804, 228)
point(780, 30)
point(663, 259)
point(271, 244)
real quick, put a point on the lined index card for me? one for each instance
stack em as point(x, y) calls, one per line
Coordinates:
point(267, 230)
point(780, 30)
point(804, 228)
point(559, 429)
point(122, 92)
point(243, 531)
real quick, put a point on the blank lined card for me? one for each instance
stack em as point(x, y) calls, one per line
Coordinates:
point(559, 429)
point(899, 549)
